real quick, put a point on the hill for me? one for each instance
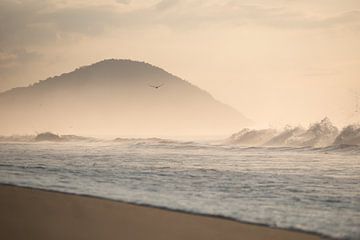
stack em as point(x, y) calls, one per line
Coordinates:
point(115, 97)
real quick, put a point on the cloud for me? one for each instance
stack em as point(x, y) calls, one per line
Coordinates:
point(166, 4)
point(123, 1)
point(33, 23)
point(281, 17)
point(30, 23)
point(21, 24)
point(85, 20)
point(9, 59)
point(14, 65)
point(349, 17)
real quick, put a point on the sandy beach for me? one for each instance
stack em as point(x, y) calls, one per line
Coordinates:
point(38, 214)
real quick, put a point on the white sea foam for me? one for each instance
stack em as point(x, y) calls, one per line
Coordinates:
point(312, 189)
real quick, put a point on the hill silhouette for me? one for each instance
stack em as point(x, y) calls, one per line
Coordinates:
point(115, 97)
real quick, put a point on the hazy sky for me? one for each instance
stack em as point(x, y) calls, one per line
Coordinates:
point(277, 62)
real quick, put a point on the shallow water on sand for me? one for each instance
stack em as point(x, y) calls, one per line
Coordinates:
point(315, 190)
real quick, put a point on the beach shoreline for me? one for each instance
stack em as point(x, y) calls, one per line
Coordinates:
point(28, 213)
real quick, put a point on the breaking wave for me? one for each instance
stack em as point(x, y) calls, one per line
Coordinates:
point(319, 135)
point(248, 137)
point(350, 135)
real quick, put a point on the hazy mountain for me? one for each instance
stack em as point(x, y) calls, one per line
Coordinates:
point(114, 97)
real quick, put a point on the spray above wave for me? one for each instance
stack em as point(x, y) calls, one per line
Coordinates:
point(320, 134)
point(248, 137)
point(285, 137)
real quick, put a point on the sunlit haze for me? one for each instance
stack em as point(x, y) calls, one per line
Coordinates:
point(277, 62)
point(218, 119)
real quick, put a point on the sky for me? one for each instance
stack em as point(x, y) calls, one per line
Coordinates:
point(277, 61)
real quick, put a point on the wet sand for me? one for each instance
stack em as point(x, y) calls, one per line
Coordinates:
point(37, 214)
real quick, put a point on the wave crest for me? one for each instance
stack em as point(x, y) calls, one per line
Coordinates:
point(318, 135)
point(350, 135)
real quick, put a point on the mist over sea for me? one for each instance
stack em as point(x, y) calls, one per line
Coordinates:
point(237, 109)
point(314, 189)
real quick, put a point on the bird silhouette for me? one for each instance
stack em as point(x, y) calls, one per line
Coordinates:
point(156, 86)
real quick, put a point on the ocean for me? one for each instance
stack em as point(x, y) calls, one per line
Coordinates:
point(304, 188)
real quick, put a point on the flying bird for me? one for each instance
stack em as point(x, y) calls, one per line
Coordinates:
point(156, 86)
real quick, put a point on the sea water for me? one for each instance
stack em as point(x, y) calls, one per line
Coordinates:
point(310, 189)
